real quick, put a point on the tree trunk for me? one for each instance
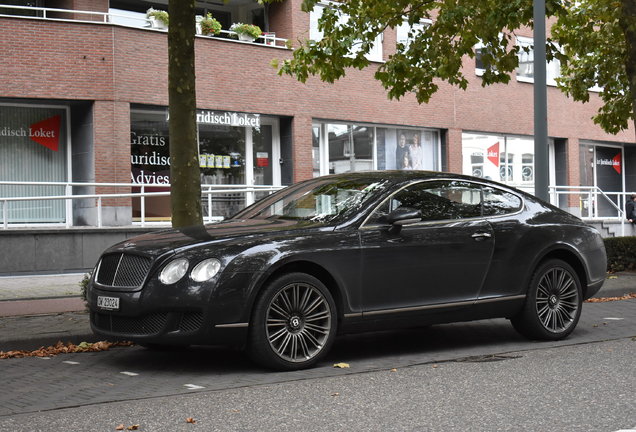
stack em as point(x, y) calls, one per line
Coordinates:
point(185, 175)
point(628, 25)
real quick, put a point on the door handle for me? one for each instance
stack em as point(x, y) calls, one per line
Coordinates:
point(481, 236)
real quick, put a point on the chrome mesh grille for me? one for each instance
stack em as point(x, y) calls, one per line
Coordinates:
point(123, 270)
point(191, 321)
point(145, 325)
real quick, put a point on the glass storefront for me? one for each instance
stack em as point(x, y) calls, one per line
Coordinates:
point(601, 166)
point(234, 149)
point(506, 159)
point(345, 147)
point(34, 148)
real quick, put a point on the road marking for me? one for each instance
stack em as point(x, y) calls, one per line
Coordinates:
point(193, 387)
point(613, 319)
point(70, 362)
point(129, 373)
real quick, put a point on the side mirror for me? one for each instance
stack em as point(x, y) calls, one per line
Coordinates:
point(403, 216)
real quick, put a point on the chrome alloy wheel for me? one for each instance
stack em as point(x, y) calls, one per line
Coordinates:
point(557, 300)
point(298, 322)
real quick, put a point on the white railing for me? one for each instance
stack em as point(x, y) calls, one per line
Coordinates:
point(133, 20)
point(594, 203)
point(207, 192)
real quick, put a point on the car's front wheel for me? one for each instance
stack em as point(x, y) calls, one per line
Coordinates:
point(293, 323)
point(553, 303)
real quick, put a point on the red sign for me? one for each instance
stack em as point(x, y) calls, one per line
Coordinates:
point(493, 153)
point(616, 163)
point(47, 132)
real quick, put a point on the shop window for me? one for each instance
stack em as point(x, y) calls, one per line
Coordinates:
point(350, 148)
point(527, 167)
point(315, 150)
point(506, 167)
point(507, 159)
point(33, 148)
point(406, 149)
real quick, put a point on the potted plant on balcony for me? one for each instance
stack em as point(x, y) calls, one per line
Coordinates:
point(158, 18)
point(246, 32)
point(210, 26)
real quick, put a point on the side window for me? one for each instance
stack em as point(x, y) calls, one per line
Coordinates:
point(498, 202)
point(436, 200)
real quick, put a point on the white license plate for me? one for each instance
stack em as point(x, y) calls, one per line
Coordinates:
point(110, 303)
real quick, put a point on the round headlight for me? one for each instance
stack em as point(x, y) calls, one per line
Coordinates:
point(205, 270)
point(174, 271)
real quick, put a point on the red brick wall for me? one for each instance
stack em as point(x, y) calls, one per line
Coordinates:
point(112, 147)
point(116, 66)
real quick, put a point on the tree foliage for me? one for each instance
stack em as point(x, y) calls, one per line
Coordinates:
point(589, 38)
point(594, 54)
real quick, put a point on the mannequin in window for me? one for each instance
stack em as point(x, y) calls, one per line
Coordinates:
point(416, 152)
point(406, 162)
point(400, 150)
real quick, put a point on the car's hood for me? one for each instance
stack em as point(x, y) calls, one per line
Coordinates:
point(160, 242)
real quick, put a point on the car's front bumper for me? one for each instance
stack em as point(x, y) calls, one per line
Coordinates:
point(168, 315)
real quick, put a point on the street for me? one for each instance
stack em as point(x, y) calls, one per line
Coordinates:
point(478, 376)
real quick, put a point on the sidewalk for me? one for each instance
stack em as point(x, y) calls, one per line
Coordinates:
point(41, 310)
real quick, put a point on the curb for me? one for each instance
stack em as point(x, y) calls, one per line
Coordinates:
point(38, 342)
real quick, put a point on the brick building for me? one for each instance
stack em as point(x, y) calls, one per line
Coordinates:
point(83, 98)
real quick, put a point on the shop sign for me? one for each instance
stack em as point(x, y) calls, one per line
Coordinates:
point(615, 162)
point(45, 132)
point(262, 159)
point(228, 118)
point(493, 153)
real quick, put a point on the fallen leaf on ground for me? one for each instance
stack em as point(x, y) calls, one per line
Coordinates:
point(609, 299)
point(341, 365)
point(63, 348)
point(120, 427)
point(612, 277)
point(133, 427)
point(190, 420)
point(335, 394)
point(394, 370)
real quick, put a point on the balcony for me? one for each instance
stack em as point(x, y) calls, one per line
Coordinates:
point(124, 18)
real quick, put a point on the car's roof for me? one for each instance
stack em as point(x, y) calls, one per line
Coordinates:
point(398, 176)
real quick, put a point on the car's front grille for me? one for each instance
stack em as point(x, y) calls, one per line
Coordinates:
point(191, 321)
point(145, 325)
point(122, 270)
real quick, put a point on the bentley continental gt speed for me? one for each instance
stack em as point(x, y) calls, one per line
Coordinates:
point(351, 252)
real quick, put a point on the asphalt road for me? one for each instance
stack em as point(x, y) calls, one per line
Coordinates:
point(461, 377)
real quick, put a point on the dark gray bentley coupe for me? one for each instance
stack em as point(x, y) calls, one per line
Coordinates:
point(351, 252)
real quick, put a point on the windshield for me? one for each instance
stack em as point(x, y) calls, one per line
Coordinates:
point(320, 201)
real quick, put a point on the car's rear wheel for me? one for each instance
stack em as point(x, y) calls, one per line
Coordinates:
point(553, 303)
point(293, 323)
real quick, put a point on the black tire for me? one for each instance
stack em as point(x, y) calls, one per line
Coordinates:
point(293, 323)
point(553, 303)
